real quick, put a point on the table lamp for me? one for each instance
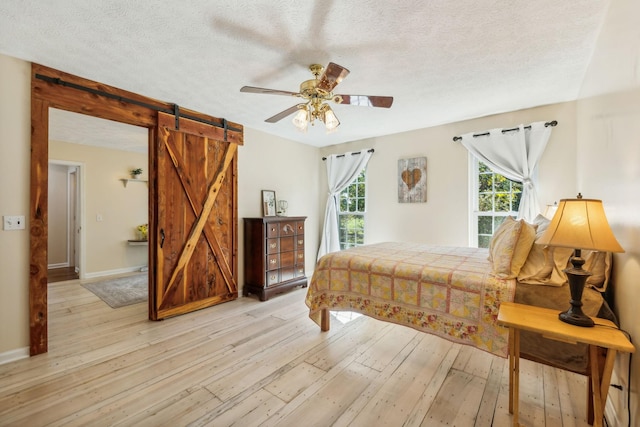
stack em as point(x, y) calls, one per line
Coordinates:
point(579, 224)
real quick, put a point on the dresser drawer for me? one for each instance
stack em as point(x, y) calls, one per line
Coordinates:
point(287, 228)
point(273, 277)
point(273, 262)
point(272, 246)
point(287, 259)
point(272, 230)
point(287, 244)
point(287, 274)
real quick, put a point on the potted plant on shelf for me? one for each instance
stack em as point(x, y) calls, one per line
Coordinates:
point(143, 231)
point(135, 173)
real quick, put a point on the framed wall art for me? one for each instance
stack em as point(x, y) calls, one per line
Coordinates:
point(268, 203)
point(412, 180)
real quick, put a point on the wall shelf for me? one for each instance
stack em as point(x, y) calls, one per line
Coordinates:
point(138, 242)
point(125, 181)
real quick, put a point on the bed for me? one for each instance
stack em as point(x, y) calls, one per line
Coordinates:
point(455, 292)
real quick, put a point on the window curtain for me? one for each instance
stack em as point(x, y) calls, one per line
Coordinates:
point(342, 169)
point(514, 154)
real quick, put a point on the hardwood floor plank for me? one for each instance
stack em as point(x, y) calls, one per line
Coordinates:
point(552, 414)
point(248, 362)
point(251, 411)
point(395, 398)
point(330, 401)
point(191, 405)
point(457, 401)
point(531, 393)
point(491, 393)
point(292, 383)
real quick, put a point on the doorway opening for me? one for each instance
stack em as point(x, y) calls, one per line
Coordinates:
point(93, 214)
point(64, 245)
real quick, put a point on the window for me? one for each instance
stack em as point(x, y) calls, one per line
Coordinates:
point(352, 210)
point(494, 198)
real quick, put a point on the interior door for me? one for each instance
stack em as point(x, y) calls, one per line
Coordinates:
point(193, 235)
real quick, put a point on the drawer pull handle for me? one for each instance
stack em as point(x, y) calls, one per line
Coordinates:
point(273, 277)
point(272, 261)
point(300, 242)
point(273, 245)
point(300, 256)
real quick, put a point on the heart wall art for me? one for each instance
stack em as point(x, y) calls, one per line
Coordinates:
point(412, 180)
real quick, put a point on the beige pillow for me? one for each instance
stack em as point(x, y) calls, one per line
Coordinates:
point(536, 270)
point(510, 246)
point(599, 264)
point(545, 264)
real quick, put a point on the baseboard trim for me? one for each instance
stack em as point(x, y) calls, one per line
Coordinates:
point(114, 272)
point(13, 355)
point(58, 265)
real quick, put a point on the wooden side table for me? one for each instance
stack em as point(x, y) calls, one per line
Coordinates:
point(544, 321)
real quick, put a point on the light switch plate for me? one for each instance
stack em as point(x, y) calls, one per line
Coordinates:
point(13, 222)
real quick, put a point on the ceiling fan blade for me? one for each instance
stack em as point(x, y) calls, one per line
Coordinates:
point(332, 75)
point(252, 89)
point(281, 115)
point(367, 101)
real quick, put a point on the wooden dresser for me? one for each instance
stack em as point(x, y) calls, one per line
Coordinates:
point(273, 255)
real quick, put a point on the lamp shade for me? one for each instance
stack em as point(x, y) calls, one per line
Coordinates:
point(580, 224)
point(301, 119)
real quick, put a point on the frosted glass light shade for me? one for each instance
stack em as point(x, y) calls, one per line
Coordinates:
point(580, 224)
point(330, 120)
point(301, 119)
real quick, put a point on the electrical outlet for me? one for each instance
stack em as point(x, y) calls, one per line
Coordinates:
point(13, 222)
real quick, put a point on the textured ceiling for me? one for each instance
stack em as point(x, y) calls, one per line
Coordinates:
point(443, 61)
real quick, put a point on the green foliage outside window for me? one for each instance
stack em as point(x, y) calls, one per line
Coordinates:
point(498, 197)
point(352, 210)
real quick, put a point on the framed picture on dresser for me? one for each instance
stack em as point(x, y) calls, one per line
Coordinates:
point(268, 203)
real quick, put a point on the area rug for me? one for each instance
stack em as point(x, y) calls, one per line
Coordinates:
point(122, 291)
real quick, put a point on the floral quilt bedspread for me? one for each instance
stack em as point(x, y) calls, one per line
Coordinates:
point(446, 291)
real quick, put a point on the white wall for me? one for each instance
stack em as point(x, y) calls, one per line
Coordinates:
point(120, 208)
point(608, 159)
point(290, 169)
point(444, 219)
point(57, 253)
point(15, 167)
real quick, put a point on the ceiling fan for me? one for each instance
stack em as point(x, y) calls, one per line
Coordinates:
point(316, 93)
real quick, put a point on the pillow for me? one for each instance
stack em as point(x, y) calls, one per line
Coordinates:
point(510, 246)
point(536, 269)
point(597, 263)
point(545, 264)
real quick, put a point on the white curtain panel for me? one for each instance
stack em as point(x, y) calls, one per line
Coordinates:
point(514, 154)
point(342, 169)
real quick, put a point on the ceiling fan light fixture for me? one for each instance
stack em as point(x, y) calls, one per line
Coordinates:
point(301, 119)
point(329, 118)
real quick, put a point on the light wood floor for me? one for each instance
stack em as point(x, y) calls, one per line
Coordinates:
point(252, 363)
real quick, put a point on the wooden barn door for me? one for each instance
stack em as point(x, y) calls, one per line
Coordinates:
point(193, 240)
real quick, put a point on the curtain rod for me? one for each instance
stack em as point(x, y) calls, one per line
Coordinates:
point(354, 153)
point(551, 123)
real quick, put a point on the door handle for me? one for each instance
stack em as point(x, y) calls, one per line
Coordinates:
point(161, 237)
